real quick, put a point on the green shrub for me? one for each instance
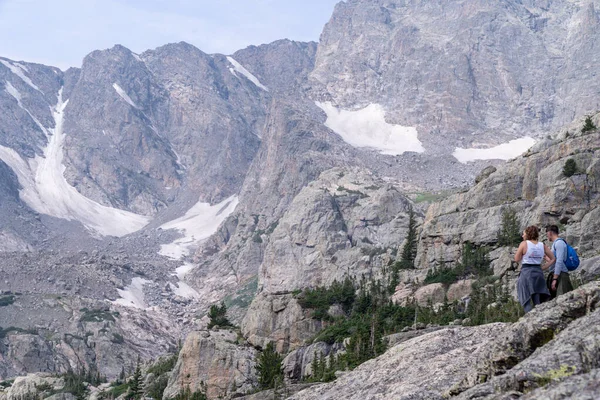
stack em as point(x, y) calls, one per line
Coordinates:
point(588, 125)
point(6, 300)
point(163, 365)
point(4, 332)
point(217, 315)
point(187, 394)
point(6, 384)
point(510, 229)
point(96, 316)
point(570, 168)
point(157, 387)
point(474, 263)
point(117, 338)
point(492, 303)
point(270, 371)
point(321, 298)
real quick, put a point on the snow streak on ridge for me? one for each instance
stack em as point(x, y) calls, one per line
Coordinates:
point(20, 70)
point(124, 95)
point(237, 67)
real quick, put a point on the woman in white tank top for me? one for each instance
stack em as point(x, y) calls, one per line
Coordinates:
point(531, 286)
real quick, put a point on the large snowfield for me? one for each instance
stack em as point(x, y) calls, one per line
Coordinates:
point(199, 223)
point(45, 189)
point(504, 151)
point(367, 128)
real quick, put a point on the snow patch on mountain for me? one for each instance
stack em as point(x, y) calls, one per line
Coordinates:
point(198, 224)
point(20, 70)
point(238, 68)
point(504, 151)
point(124, 95)
point(184, 290)
point(368, 128)
point(45, 189)
point(133, 294)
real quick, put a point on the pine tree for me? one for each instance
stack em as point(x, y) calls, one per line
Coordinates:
point(510, 230)
point(588, 125)
point(409, 252)
point(136, 389)
point(269, 367)
point(570, 168)
point(217, 315)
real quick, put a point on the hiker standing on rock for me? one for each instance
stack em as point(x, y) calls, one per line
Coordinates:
point(531, 286)
point(558, 281)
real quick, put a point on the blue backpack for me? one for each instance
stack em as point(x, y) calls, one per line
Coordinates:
point(572, 260)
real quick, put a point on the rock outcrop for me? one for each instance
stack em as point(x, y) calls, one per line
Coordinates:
point(214, 363)
point(535, 187)
point(348, 223)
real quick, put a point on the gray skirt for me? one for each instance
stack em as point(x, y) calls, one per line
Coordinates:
point(532, 286)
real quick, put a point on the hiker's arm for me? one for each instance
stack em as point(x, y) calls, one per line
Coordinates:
point(549, 257)
point(520, 252)
point(561, 253)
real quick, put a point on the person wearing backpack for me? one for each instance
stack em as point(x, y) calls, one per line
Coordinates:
point(558, 280)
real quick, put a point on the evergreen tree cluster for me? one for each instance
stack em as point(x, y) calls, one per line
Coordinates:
point(187, 394)
point(570, 168)
point(270, 371)
point(321, 298)
point(218, 317)
point(510, 229)
point(588, 125)
point(474, 263)
point(409, 252)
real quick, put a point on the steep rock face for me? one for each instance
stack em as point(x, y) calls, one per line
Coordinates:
point(283, 66)
point(346, 223)
point(216, 117)
point(212, 361)
point(114, 150)
point(26, 91)
point(456, 70)
point(558, 341)
point(278, 318)
point(535, 187)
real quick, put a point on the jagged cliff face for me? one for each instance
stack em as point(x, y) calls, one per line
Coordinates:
point(460, 70)
point(292, 150)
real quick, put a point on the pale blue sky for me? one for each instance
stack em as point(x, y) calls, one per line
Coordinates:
point(62, 32)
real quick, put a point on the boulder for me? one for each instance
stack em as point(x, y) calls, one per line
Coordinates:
point(430, 294)
point(459, 290)
point(298, 364)
point(29, 386)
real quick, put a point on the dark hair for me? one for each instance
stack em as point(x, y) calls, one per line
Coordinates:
point(532, 233)
point(552, 228)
